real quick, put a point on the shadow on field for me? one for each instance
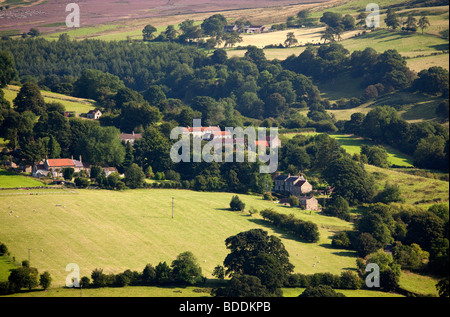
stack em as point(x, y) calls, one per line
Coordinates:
point(280, 231)
point(346, 253)
point(439, 47)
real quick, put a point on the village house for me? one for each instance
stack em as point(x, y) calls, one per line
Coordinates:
point(130, 138)
point(247, 29)
point(94, 114)
point(205, 133)
point(255, 29)
point(55, 167)
point(295, 185)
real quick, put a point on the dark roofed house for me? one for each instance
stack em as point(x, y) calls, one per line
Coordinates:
point(94, 114)
point(130, 138)
point(296, 185)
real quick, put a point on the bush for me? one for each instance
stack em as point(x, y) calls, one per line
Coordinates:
point(338, 207)
point(293, 201)
point(320, 291)
point(236, 204)
point(341, 241)
point(3, 249)
point(82, 182)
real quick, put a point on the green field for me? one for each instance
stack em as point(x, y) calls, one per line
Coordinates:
point(352, 145)
point(126, 230)
point(420, 284)
point(192, 291)
point(416, 190)
point(10, 180)
point(77, 105)
point(6, 266)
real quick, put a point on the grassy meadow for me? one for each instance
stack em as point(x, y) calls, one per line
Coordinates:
point(126, 230)
point(352, 145)
point(74, 104)
point(10, 180)
point(416, 190)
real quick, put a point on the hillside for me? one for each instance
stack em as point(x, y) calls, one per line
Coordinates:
point(126, 230)
point(24, 15)
point(71, 104)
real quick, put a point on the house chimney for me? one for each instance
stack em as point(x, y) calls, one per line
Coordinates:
point(80, 159)
point(133, 132)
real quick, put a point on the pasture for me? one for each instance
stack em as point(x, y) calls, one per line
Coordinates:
point(77, 105)
point(10, 180)
point(416, 190)
point(352, 145)
point(126, 230)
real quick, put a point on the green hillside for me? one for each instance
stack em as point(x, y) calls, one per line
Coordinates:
point(126, 230)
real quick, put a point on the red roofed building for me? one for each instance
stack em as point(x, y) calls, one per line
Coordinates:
point(130, 138)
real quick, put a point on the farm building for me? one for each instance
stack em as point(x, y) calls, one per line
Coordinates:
point(255, 29)
point(130, 138)
point(308, 203)
point(246, 29)
point(94, 114)
point(304, 202)
point(295, 185)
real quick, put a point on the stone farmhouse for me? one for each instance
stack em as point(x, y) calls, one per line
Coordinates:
point(295, 185)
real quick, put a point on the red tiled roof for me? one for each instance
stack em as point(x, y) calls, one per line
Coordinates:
point(264, 143)
point(60, 162)
point(131, 136)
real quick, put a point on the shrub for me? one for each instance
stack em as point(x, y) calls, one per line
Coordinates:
point(3, 249)
point(236, 204)
point(341, 241)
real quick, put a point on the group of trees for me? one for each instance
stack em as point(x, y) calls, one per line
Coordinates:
point(183, 271)
point(328, 62)
point(427, 142)
point(419, 237)
point(336, 24)
point(258, 265)
point(23, 277)
point(304, 230)
point(411, 24)
point(209, 34)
